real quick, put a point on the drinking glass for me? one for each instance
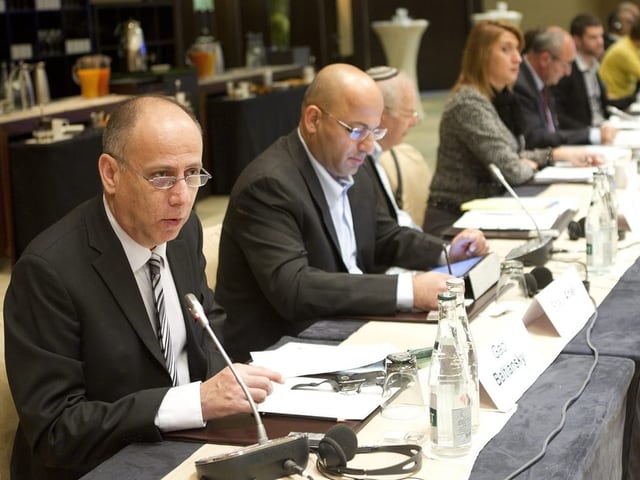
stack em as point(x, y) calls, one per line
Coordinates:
point(511, 292)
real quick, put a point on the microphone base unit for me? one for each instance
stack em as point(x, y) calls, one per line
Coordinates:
point(256, 462)
point(536, 251)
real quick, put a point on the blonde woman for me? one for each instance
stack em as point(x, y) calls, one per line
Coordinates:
point(472, 134)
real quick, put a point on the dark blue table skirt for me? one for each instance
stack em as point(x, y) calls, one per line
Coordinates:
point(617, 333)
point(589, 447)
point(590, 444)
point(143, 461)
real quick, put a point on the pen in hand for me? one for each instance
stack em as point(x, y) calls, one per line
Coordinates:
point(446, 257)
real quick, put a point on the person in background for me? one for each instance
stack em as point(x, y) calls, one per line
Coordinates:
point(398, 116)
point(581, 99)
point(619, 22)
point(548, 59)
point(302, 238)
point(473, 136)
point(100, 349)
point(620, 68)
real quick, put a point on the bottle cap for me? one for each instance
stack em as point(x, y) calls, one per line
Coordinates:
point(445, 296)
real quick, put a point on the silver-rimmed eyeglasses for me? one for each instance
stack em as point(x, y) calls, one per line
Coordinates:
point(358, 133)
point(165, 182)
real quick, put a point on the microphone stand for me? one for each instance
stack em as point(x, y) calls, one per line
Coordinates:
point(536, 251)
point(269, 459)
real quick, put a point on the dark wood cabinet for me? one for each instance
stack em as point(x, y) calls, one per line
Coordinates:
point(160, 21)
point(36, 31)
point(59, 31)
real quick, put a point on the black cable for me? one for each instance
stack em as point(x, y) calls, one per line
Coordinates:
point(582, 264)
point(293, 468)
point(327, 473)
point(633, 244)
point(568, 403)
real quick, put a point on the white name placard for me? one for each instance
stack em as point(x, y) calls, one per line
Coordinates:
point(565, 303)
point(514, 348)
point(506, 361)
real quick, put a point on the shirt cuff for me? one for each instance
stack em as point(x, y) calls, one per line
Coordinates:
point(404, 292)
point(595, 138)
point(180, 409)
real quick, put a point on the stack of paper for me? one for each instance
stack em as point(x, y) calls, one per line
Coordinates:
point(294, 359)
point(564, 174)
point(504, 213)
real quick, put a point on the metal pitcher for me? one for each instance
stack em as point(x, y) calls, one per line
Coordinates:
point(132, 47)
point(20, 87)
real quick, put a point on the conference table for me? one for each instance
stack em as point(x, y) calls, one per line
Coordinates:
point(599, 424)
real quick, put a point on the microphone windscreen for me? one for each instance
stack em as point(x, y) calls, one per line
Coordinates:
point(532, 284)
point(345, 437)
point(543, 276)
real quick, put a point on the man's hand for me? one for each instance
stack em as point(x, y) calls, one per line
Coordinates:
point(468, 243)
point(426, 287)
point(578, 156)
point(221, 395)
point(607, 134)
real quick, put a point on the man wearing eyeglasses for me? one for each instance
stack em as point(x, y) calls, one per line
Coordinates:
point(100, 350)
point(303, 239)
point(548, 59)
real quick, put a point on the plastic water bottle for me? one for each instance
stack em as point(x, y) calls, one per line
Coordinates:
point(450, 405)
point(601, 226)
point(456, 286)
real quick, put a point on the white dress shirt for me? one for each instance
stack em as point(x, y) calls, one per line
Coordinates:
point(180, 408)
point(335, 192)
point(404, 219)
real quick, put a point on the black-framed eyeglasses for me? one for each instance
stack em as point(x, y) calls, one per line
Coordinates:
point(165, 182)
point(358, 134)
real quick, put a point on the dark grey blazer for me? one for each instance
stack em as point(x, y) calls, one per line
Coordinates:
point(280, 266)
point(85, 368)
point(534, 118)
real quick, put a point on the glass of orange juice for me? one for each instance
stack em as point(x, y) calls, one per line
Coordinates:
point(86, 73)
point(105, 75)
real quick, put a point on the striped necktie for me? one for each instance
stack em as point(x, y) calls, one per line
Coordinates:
point(162, 322)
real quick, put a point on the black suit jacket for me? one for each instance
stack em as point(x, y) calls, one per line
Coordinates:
point(384, 201)
point(534, 118)
point(85, 368)
point(280, 266)
point(572, 100)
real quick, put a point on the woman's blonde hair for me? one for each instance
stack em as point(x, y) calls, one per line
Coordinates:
point(477, 54)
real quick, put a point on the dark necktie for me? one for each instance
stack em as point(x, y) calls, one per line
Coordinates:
point(162, 322)
point(547, 111)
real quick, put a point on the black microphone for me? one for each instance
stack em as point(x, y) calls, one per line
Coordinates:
point(268, 459)
point(537, 279)
point(340, 445)
point(543, 276)
point(537, 250)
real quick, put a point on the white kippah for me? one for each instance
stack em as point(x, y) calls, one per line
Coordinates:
point(382, 72)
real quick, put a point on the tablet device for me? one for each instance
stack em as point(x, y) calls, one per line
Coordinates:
point(459, 269)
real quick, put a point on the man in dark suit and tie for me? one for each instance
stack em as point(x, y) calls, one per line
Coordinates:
point(88, 328)
point(581, 99)
point(302, 236)
point(549, 58)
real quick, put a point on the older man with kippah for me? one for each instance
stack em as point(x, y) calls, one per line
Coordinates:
point(399, 115)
